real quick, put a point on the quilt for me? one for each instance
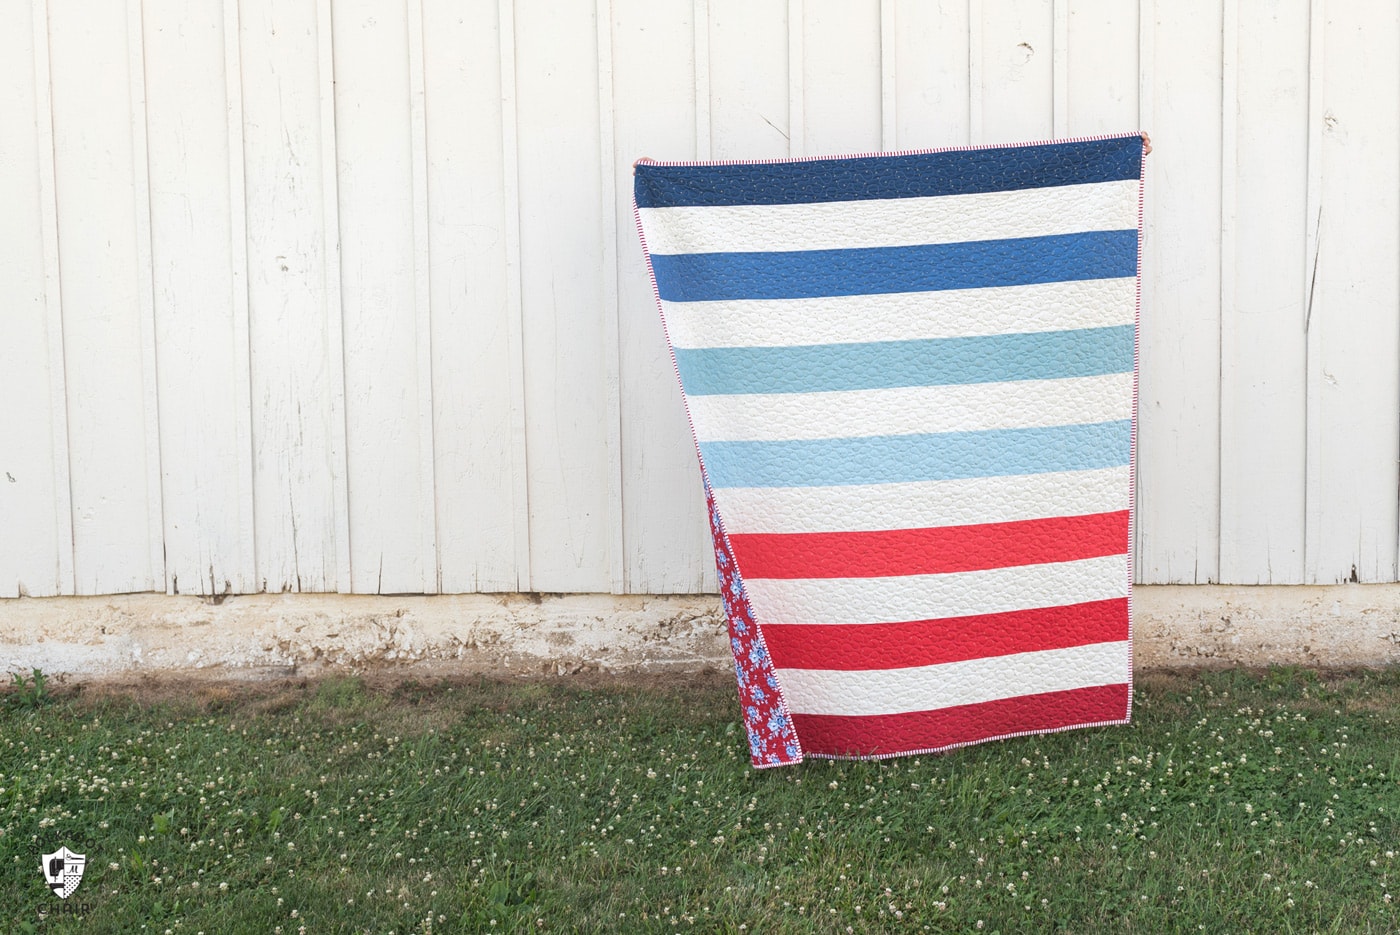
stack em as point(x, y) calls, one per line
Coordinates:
point(912, 383)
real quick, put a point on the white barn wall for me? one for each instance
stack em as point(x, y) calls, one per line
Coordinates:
point(38, 517)
point(345, 295)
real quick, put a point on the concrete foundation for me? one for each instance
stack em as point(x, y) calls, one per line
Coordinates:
point(533, 635)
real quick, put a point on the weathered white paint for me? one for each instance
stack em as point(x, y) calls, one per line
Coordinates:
point(200, 301)
point(104, 274)
point(266, 635)
point(750, 80)
point(510, 229)
point(1178, 453)
point(473, 311)
point(1101, 67)
point(356, 303)
point(1263, 345)
point(562, 288)
point(932, 73)
point(609, 166)
point(841, 101)
point(1352, 325)
point(1017, 53)
point(301, 538)
point(663, 526)
point(388, 403)
point(37, 554)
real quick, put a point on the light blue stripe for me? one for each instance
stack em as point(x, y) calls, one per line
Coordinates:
point(818, 368)
point(902, 458)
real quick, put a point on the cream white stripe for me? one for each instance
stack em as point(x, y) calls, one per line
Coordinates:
point(893, 222)
point(923, 504)
point(911, 410)
point(902, 316)
point(975, 681)
point(931, 597)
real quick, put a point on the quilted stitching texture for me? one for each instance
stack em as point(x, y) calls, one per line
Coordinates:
point(911, 379)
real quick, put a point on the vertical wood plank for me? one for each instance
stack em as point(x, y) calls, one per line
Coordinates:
point(476, 458)
point(932, 79)
point(1312, 484)
point(750, 76)
point(382, 322)
point(1354, 333)
point(1060, 82)
point(1263, 348)
point(976, 73)
point(510, 150)
point(247, 566)
point(203, 368)
point(150, 404)
point(1147, 71)
point(700, 29)
point(422, 301)
point(1018, 81)
point(1147, 60)
point(1101, 70)
point(1229, 206)
point(1179, 393)
point(53, 303)
point(608, 231)
point(841, 76)
point(294, 339)
point(889, 72)
point(33, 542)
point(334, 272)
point(667, 532)
point(106, 336)
point(797, 75)
point(561, 293)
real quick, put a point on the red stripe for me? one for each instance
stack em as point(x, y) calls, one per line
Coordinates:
point(893, 553)
point(877, 735)
point(852, 646)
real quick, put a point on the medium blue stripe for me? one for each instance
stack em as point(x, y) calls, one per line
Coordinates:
point(824, 368)
point(903, 458)
point(804, 274)
point(871, 177)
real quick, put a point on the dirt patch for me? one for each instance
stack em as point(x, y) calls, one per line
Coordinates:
point(204, 689)
point(200, 692)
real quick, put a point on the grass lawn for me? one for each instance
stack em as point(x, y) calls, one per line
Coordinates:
point(1237, 802)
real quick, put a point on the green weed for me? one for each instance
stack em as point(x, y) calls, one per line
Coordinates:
point(28, 691)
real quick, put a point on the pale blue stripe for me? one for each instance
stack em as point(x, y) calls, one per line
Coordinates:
point(890, 459)
point(818, 368)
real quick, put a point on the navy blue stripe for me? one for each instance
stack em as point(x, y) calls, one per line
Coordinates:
point(805, 274)
point(822, 368)
point(871, 177)
point(892, 459)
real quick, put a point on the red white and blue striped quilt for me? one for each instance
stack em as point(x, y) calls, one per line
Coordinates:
point(911, 379)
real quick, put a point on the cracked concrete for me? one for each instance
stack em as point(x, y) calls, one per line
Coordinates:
point(1314, 625)
point(302, 633)
point(532, 635)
